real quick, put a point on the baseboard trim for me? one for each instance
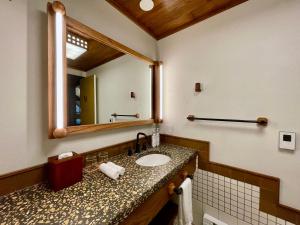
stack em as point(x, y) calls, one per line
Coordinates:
point(269, 185)
point(20, 179)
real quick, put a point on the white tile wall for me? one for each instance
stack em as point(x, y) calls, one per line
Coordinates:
point(229, 200)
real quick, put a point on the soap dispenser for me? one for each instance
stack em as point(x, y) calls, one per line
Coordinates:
point(157, 136)
point(153, 137)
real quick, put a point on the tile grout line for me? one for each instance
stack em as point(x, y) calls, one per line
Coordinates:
point(211, 190)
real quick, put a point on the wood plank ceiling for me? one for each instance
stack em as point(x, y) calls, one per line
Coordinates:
point(170, 16)
point(96, 55)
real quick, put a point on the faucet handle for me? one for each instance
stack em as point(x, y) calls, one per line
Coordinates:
point(137, 148)
point(130, 152)
point(144, 147)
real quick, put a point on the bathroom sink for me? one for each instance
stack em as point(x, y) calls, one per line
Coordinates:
point(153, 160)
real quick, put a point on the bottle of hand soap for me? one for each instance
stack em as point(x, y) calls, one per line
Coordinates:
point(157, 137)
point(153, 138)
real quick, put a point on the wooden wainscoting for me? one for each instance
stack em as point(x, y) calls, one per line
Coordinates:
point(269, 186)
point(22, 178)
point(37, 174)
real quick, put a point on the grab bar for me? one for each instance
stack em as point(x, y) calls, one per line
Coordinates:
point(262, 121)
point(118, 115)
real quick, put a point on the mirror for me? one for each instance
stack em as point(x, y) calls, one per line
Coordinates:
point(105, 85)
point(96, 83)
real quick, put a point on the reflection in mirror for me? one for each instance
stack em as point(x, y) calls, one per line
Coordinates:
point(104, 84)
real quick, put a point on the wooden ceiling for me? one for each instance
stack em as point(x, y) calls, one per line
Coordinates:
point(170, 16)
point(96, 55)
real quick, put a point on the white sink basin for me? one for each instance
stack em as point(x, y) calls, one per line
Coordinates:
point(153, 160)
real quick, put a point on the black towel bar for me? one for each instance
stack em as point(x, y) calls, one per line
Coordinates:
point(179, 190)
point(262, 121)
point(126, 115)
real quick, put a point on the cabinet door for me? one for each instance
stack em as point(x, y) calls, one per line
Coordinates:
point(88, 100)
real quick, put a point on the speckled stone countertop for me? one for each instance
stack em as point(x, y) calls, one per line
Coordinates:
point(97, 199)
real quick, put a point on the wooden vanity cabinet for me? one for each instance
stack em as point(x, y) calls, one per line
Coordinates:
point(151, 207)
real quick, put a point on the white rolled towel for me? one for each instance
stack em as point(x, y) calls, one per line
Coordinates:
point(120, 169)
point(109, 171)
point(185, 208)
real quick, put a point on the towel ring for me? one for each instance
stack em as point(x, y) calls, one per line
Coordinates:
point(178, 191)
point(190, 176)
point(173, 189)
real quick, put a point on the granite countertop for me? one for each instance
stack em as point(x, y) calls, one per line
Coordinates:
point(97, 199)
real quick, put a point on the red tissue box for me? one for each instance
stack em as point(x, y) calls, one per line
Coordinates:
point(65, 172)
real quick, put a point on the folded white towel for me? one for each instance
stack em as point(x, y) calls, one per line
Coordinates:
point(109, 171)
point(120, 169)
point(185, 209)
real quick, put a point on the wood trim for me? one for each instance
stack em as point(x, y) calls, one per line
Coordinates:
point(65, 74)
point(269, 185)
point(79, 28)
point(51, 9)
point(115, 149)
point(60, 132)
point(201, 146)
point(57, 6)
point(152, 67)
point(20, 179)
point(51, 117)
point(107, 126)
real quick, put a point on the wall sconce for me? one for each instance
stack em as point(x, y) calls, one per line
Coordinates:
point(158, 91)
point(132, 94)
point(57, 68)
point(161, 91)
point(197, 87)
point(151, 92)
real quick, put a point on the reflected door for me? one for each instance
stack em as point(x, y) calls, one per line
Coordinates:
point(88, 100)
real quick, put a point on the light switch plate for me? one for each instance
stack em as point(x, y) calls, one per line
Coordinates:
point(287, 140)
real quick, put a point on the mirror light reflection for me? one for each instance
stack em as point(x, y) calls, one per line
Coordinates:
point(104, 84)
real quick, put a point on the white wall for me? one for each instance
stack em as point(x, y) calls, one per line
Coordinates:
point(247, 59)
point(115, 80)
point(13, 85)
point(23, 90)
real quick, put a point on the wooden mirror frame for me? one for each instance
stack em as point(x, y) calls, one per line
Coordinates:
point(63, 130)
